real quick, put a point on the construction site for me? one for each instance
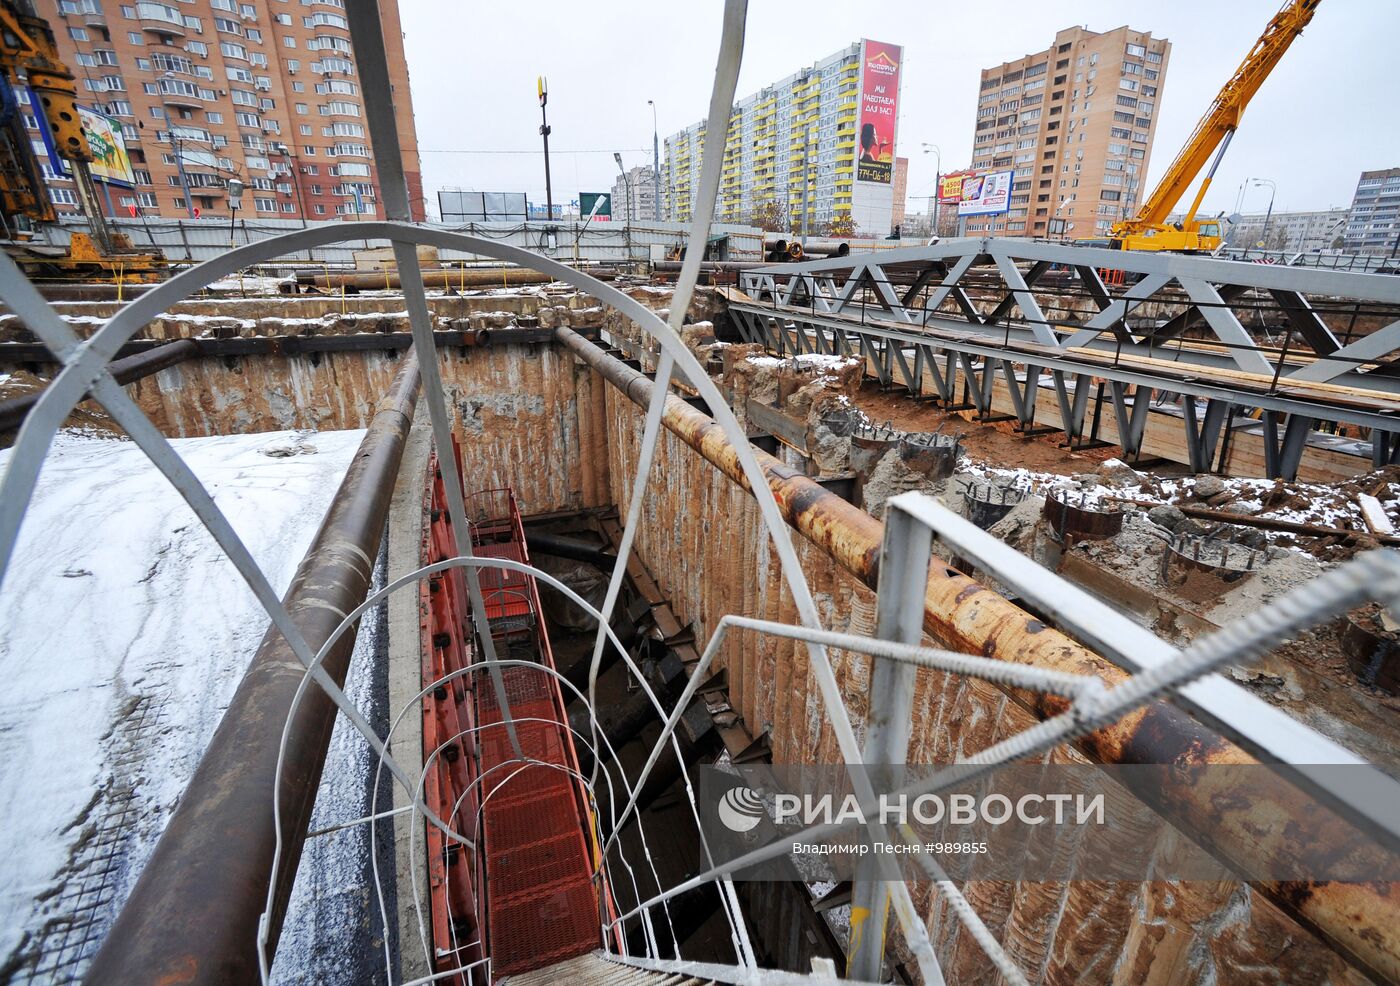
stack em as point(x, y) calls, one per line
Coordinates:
point(462, 611)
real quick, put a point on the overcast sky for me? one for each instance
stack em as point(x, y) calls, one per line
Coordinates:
point(1323, 116)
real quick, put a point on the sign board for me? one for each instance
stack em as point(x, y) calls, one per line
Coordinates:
point(986, 195)
point(601, 201)
point(879, 111)
point(457, 206)
point(950, 186)
point(110, 161)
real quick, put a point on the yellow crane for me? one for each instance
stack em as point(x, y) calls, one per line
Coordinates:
point(1149, 229)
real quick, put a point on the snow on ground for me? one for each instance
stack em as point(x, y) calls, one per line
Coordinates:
point(815, 361)
point(123, 633)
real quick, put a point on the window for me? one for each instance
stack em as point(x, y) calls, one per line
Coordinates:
point(303, 108)
point(254, 35)
point(265, 205)
point(248, 120)
point(77, 34)
point(289, 42)
point(1136, 51)
point(1125, 100)
point(319, 209)
point(1154, 57)
point(1110, 196)
point(242, 97)
point(231, 50)
point(227, 26)
point(63, 196)
point(305, 129)
point(213, 117)
point(197, 48)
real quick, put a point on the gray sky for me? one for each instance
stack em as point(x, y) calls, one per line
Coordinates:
point(1321, 118)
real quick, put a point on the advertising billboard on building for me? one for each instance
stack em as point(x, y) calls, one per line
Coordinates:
point(950, 186)
point(879, 111)
point(110, 162)
point(986, 195)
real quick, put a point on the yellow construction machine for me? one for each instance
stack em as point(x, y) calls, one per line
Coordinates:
point(1149, 229)
point(29, 60)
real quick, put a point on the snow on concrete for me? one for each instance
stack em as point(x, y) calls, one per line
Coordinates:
point(123, 633)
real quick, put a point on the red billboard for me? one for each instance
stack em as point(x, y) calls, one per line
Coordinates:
point(950, 186)
point(879, 110)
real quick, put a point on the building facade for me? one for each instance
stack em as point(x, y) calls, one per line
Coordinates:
point(1294, 232)
point(898, 205)
point(1373, 225)
point(634, 197)
point(203, 91)
point(819, 142)
point(1075, 122)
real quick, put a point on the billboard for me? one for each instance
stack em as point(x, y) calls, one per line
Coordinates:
point(457, 206)
point(602, 201)
point(110, 162)
point(879, 111)
point(950, 186)
point(986, 195)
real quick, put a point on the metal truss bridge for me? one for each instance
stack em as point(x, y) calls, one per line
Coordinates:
point(1283, 351)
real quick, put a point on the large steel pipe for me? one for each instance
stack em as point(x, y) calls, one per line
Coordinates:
point(124, 371)
point(193, 915)
point(1358, 919)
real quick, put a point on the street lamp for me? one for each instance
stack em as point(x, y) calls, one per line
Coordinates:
point(235, 199)
point(293, 171)
point(1273, 189)
point(937, 176)
point(655, 165)
point(627, 186)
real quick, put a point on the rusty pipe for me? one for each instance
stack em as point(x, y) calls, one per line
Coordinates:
point(193, 916)
point(1359, 920)
point(124, 371)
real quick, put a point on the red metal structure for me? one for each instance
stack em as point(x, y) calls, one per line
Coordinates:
point(527, 897)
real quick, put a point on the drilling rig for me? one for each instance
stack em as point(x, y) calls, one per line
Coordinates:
point(29, 60)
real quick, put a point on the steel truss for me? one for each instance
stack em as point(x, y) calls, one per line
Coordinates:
point(945, 321)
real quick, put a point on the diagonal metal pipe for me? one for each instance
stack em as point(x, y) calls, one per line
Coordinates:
point(1359, 920)
point(193, 915)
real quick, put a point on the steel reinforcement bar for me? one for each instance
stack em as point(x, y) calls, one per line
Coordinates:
point(193, 915)
point(1357, 919)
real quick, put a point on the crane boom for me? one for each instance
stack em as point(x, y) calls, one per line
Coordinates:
point(1148, 229)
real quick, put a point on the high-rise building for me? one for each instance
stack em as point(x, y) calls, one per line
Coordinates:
point(1076, 123)
point(202, 91)
point(634, 197)
point(821, 141)
point(1374, 223)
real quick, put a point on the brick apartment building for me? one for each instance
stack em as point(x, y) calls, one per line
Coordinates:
point(207, 90)
point(1076, 123)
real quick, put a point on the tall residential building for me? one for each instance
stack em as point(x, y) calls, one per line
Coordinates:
point(1374, 223)
point(1076, 123)
point(821, 140)
point(202, 91)
point(634, 197)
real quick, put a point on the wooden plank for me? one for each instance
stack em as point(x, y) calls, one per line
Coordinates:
point(1374, 514)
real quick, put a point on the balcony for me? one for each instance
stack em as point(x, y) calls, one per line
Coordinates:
point(160, 19)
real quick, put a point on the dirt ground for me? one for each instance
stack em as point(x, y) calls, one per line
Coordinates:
point(989, 441)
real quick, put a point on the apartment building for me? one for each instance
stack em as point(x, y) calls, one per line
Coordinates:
point(1294, 232)
point(1075, 122)
point(634, 196)
point(1373, 225)
point(820, 141)
point(202, 91)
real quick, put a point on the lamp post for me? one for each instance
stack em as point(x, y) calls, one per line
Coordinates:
point(235, 199)
point(655, 165)
point(542, 89)
point(293, 170)
point(626, 185)
point(937, 175)
point(1273, 189)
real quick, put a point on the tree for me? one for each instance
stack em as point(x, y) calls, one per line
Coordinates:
point(841, 227)
point(769, 216)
